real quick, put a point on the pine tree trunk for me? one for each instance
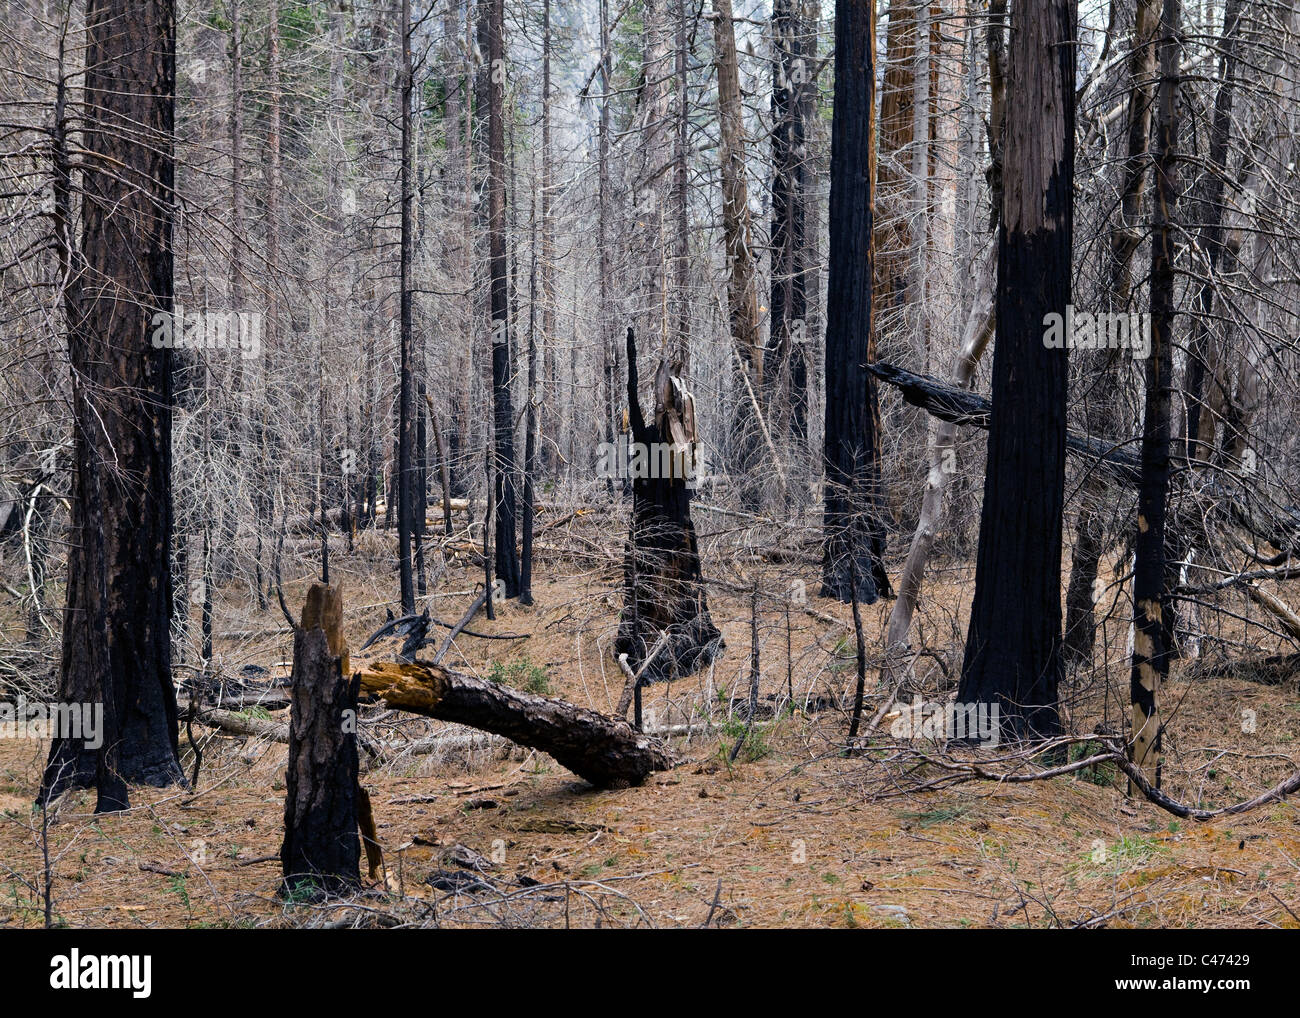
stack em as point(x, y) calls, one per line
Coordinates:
point(321, 852)
point(116, 632)
point(1013, 645)
point(854, 531)
point(1151, 636)
point(1080, 595)
point(492, 42)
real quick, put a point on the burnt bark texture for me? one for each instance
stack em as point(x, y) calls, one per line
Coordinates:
point(854, 530)
point(321, 852)
point(1013, 646)
point(492, 41)
point(1099, 410)
point(664, 595)
point(1151, 633)
point(406, 409)
point(599, 749)
point(116, 639)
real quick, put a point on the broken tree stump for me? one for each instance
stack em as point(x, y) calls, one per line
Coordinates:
point(664, 598)
point(602, 750)
point(321, 850)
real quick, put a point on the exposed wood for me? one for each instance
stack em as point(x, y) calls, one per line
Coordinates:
point(321, 851)
point(236, 723)
point(664, 592)
point(603, 751)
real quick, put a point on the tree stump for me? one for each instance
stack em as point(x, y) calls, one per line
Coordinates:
point(664, 588)
point(321, 853)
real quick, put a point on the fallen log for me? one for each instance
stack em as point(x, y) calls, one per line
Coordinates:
point(599, 749)
point(960, 406)
point(235, 723)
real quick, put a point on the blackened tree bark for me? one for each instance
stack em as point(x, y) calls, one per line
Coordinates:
point(406, 384)
point(854, 532)
point(492, 42)
point(116, 639)
point(664, 594)
point(1013, 645)
point(1150, 634)
point(321, 851)
point(1200, 418)
point(1080, 622)
point(598, 748)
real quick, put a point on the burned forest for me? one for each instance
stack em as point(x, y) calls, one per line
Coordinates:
point(650, 464)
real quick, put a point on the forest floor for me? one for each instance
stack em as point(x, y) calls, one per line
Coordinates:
point(793, 833)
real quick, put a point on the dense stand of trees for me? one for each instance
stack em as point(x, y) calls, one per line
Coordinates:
point(397, 249)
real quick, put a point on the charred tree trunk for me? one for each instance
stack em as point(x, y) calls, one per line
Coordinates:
point(1080, 623)
point(854, 531)
point(321, 850)
point(1013, 646)
point(117, 298)
point(406, 383)
point(1150, 633)
point(664, 596)
point(507, 554)
point(1200, 421)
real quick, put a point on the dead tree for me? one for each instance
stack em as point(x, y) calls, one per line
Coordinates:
point(491, 40)
point(1013, 646)
point(321, 849)
point(1150, 632)
point(853, 518)
point(742, 288)
point(1089, 544)
point(664, 596)
point(406, 410)
point(118, 289)
point(600, 749)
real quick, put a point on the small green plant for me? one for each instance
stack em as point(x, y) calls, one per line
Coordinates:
point(942, 815)
point(756, 746)
point(521, 674)
point(1104, 775)
point(177, 886)
point(302, 891)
